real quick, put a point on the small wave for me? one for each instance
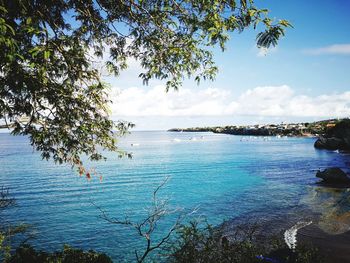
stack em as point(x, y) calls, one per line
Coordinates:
point(290, 235)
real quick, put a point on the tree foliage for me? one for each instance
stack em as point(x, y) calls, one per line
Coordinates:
point(50, 89)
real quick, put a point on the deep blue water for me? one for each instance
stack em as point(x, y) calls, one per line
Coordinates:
point(219, 175)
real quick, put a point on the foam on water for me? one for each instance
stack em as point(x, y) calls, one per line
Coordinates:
point(290, 235)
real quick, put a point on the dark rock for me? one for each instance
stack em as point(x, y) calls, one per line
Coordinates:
point(333, 175)
point(336, 138)
point(329, 143)
point(341, 130)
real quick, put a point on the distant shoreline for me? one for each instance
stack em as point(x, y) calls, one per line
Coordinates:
point(305, 129)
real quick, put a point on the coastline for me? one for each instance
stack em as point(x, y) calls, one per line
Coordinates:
point(305, 129)
point(323, 217)
point(334, 248)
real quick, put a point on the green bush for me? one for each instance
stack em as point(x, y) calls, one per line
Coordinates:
point(195, 243)
point(204, 244)
point(27, 254)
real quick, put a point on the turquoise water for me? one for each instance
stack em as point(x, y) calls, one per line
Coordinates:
point(219, 176)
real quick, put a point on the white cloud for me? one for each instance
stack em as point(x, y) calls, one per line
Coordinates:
point(156, 102)
point(337, 49)
point(273, 101)
point(263, 52)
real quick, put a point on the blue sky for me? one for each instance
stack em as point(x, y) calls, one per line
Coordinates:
point(305, 78)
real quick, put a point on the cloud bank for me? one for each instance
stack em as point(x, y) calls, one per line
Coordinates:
point(273, 101)
point(337, 49)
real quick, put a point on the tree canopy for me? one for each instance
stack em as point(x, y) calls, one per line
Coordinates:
point(50, 89)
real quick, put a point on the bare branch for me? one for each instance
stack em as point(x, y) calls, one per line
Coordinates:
point(146, 227)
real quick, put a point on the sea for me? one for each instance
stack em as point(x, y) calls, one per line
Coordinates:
point(199, 176)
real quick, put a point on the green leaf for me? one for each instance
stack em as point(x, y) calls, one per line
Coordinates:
point(46, 54)
point(28, 20)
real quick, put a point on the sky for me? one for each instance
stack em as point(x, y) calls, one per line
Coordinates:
point(305, 78)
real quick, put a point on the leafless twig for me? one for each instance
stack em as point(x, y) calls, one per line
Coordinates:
point(145, 228)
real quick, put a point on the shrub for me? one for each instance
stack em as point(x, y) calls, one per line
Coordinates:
point(204, 244)
point(27, 254)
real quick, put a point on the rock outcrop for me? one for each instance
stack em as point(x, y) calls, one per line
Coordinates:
point(329, 143)
point(336, 138)
point(333, 175)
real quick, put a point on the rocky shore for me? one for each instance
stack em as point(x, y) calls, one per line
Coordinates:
point(334, 248)
point(337, 138)
point(326, 219)
point(331, 234)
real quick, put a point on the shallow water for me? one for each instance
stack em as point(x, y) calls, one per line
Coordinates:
point(219, 175)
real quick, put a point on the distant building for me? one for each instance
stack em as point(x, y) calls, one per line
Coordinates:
point(330, 125)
